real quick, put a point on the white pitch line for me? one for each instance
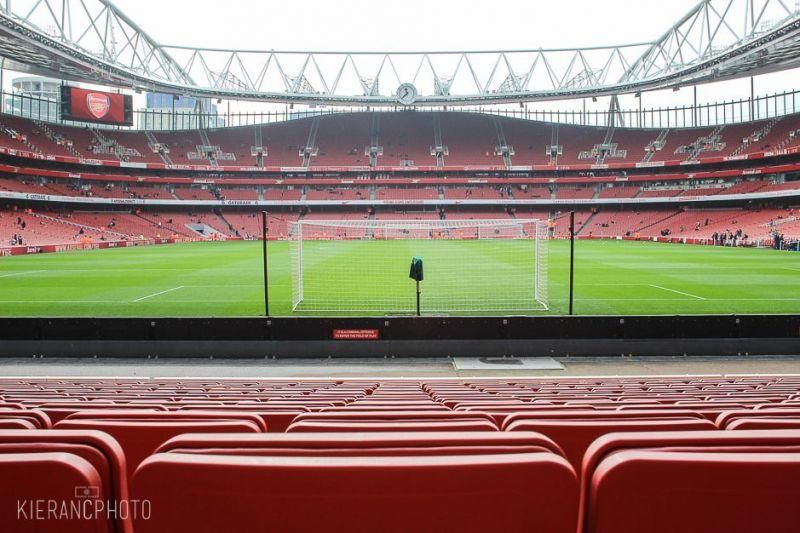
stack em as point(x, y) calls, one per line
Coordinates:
point(157, 293)
point(20, 273)
point(678, 292)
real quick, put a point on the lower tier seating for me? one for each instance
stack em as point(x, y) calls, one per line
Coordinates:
point(657, 454)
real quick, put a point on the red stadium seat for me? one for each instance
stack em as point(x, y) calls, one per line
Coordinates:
point(36, 417)
point(727, 417)
point(693, 441)
point(33, 483)
point(716, 492)
point(210, 493)
point(599, 414)
point(97, 448)
point(334, 426)
point(763, 423)
point(60, 410)
point(359, 444)
point(276, 418)
point(140, 434)
point(351, 414)
point(16, 423)
point(575, 436)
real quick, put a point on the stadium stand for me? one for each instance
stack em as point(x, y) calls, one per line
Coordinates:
point(590, 443)
point(236, 142)
point(532, 192)
point(530, 141)
point(411, 193)
point(238, 193)
point(575, 193)
point(338, 193)
point(407, 138)
point(194, 193)
point(470, 139)
point(282, 194)
point(606, 377)
point(619, 192)
point(341, 140)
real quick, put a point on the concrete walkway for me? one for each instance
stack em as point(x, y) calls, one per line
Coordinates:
point(388, 368)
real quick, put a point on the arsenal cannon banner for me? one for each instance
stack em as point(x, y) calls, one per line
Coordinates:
point(86, 105)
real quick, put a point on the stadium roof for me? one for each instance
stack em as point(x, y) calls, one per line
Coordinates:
point(94, 41)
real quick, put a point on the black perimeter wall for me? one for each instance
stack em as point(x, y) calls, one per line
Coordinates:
point(402, 336)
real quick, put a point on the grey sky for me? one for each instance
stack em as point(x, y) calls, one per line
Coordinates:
point(403, 25)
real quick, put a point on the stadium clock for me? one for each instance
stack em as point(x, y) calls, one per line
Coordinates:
point(407, 94)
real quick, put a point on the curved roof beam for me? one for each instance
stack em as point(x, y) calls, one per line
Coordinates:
point(92, 40)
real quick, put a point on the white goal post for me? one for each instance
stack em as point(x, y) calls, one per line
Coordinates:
point(470, 266)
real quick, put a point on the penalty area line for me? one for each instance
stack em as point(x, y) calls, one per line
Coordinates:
point(158, 293)
point(678, 292)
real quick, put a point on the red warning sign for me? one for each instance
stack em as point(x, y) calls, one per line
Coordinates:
point(356, 334)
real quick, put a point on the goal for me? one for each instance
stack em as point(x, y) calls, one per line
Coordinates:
point(470, 266)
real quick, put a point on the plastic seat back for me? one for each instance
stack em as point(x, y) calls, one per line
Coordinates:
point(510, 493)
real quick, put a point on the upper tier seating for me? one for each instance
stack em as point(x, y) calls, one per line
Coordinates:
point(470, 139)
point(406, 138)
point(530, 141)
point(238, 142)
point(342, 142)
point(576, 139)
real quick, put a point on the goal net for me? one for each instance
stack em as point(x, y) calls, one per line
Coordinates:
point(362, 266)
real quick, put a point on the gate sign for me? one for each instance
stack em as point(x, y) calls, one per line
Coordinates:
point(85, 105)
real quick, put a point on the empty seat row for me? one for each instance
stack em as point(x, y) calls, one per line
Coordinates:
point(689, 453)
point(709, 481)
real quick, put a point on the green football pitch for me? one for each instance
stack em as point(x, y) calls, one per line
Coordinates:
point(225, 279)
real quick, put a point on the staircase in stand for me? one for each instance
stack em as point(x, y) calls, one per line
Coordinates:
point(58, 139)
point(12, 133)
point(158, 148)
point(655, 146)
